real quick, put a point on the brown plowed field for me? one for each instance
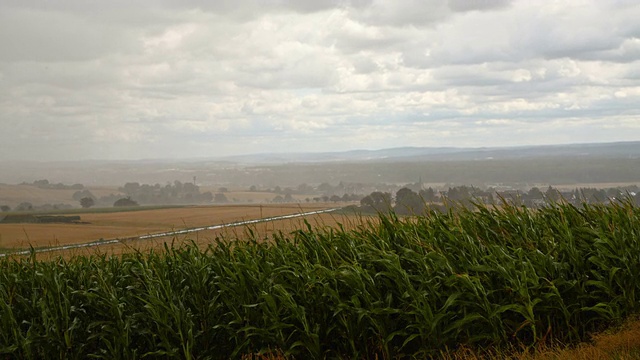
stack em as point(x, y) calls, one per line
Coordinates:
point(128, 224)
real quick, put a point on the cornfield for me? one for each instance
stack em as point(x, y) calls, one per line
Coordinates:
point(389, 288)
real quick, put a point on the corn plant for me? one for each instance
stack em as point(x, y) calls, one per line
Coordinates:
point(388, 287)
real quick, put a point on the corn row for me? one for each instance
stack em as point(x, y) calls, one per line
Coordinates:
point(392, 287)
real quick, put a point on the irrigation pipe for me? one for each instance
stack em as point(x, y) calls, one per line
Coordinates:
point(164, 234)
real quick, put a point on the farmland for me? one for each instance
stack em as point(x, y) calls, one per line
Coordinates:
point(108, 224)
point(393, 287)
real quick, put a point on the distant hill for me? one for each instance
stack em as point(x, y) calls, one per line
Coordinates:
point(611, 150)
point(553, 164)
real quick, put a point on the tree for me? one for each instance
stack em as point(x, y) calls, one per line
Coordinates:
point(459, 193)
point(5, 208)
point(429, 195)
point(87, 202)
point(25, 206)
point(408, 202)
point(206, 197)
point(41, 183)
point(78, 195)
point(613, 193)
point(125, 202)
point(130, 188)
point(535, 193)
point(220, 198)
point(553, 194)
point(288, 198)
point(377, 200)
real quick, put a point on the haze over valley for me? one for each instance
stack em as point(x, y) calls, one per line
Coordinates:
point(561, 164)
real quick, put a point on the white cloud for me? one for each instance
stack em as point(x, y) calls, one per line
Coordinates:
point(173, 78)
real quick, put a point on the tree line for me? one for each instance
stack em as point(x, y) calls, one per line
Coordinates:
point(133, 194)
point(407, 201)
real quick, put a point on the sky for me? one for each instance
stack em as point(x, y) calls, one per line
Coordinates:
point(90, 79)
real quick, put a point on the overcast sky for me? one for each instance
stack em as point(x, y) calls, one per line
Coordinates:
point(91, 79)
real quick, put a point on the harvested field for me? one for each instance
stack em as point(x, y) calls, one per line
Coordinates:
point(263, 230)
point(129, 224)
point(13, 195)
point(243, 196)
